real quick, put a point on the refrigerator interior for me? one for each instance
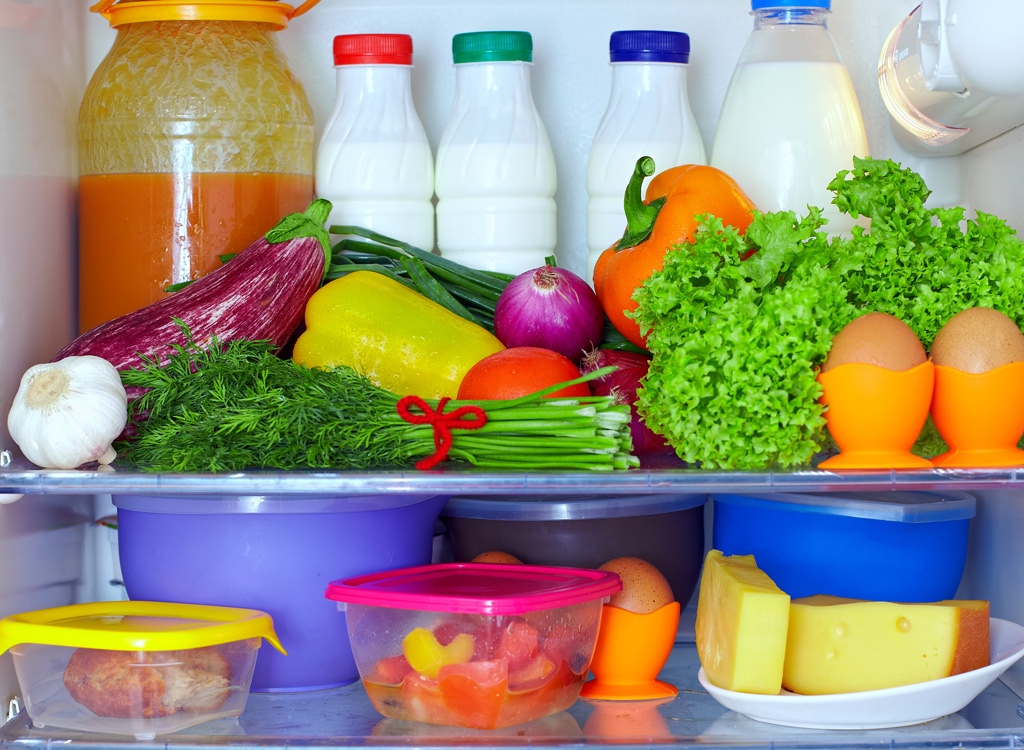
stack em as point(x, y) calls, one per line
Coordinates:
point(52, 552)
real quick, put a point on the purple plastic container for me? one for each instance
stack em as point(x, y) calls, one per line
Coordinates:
point(277, 555)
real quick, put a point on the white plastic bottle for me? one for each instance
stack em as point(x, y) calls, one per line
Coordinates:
point(374, 162)
point(790, 120)
point(495, 178)
point(648, 114)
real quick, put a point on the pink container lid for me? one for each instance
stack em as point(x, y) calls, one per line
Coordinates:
point(477, 588)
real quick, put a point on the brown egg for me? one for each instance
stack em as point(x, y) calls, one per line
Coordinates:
point(644, 588)
point(497, 557)
point(977, 340)
point(876, 339)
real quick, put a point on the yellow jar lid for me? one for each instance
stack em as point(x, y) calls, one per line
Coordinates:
point(136, 626)
point(260, 11)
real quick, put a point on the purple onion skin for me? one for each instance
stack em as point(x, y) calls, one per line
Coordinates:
point(551, 308)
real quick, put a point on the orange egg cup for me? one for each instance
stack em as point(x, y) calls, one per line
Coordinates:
point(631, 651)
point(980, 416)
point(875, 415)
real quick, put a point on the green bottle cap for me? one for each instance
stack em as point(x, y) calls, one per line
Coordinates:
point(492, 46)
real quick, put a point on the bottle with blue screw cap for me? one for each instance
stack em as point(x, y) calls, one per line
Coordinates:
point(790, 119)
point(648, 114)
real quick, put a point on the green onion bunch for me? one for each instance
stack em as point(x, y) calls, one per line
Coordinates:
point(237, 406)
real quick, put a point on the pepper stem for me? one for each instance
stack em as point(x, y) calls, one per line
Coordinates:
point(640, 216)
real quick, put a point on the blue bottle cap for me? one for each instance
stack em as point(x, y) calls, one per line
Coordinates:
point(649, 46)
point(762, 4)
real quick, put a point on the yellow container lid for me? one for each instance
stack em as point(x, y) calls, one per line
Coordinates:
point(136, 626)
point(260, 11)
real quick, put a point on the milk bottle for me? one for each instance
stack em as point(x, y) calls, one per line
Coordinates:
point(790, 119)
point(648, 114)
point(495, 177)
point(374, 162)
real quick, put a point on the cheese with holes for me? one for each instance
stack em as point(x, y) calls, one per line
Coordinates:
point(742, 619)
point(838, 645)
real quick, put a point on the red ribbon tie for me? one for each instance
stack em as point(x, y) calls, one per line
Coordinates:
point(442, 423)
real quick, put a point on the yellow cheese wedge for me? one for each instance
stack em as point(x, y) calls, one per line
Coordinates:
point(742, 619)
point(838, 645)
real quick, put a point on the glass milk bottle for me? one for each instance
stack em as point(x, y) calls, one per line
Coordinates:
point(648, 114)
point(495, 175)
point(374, 162)
point(790, 119)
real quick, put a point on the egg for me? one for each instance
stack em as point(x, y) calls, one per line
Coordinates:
point(497, 557)
point(876, 339)
point(977, 340)
point(644, 588)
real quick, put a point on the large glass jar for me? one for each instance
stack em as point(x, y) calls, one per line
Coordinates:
point(195, 138)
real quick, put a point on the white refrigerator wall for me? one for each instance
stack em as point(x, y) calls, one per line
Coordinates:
point(50, 553)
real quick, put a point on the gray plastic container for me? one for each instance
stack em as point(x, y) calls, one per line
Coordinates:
point(584, 531)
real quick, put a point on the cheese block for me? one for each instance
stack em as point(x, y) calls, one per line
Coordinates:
point(838, 645)
point(742, 619)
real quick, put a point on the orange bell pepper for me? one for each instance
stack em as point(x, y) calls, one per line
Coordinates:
point(666, 218)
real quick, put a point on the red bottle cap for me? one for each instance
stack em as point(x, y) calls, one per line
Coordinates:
point(373, 49)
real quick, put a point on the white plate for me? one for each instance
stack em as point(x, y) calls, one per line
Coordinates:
point(877, 709)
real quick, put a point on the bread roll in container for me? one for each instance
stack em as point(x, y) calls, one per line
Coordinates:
point(195, 138)
point(133, 667)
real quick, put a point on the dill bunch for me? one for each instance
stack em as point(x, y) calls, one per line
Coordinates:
point(235, 406)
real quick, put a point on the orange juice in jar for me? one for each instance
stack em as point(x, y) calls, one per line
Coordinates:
point(195, 138)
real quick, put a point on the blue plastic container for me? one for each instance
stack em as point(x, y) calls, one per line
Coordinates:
point(884, 546)
point(275, 554)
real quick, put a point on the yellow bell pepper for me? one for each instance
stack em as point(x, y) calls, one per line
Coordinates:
point(426, 655)
point(396, 337)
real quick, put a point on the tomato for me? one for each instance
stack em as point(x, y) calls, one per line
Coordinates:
point(519, 371)
point(519, 644)
point(419, 698)
point(534, 675)
point(474, 691)
point(446, 632)
point(390, 670)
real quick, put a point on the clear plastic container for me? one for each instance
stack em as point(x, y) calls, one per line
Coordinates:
point(648, 114)
point(374, 162)
point(134, 668)
point(474, 645)
point(790, 120)
point(195, 138)
point(495, 175)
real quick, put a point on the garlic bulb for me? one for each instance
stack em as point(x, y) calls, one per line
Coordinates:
point(68, 413)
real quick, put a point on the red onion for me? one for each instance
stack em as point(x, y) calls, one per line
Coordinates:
point(623, 384)
point(551, 308)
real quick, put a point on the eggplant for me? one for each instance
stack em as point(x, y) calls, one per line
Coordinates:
point(260, 294)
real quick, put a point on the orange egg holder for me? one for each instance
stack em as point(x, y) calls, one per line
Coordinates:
point(981, 417)
point(875, 415)
point(630, 652)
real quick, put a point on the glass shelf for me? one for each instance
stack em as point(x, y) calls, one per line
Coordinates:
point(665, 475)
point(344, 717)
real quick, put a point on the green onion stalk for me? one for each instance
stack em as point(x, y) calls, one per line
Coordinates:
point(238, 406)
